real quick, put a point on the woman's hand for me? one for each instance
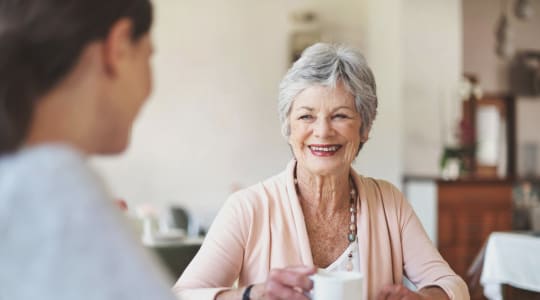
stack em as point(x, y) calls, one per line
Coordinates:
point(398, 292)
point(289, 283)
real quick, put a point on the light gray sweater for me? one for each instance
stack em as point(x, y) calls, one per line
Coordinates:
point(61, 238)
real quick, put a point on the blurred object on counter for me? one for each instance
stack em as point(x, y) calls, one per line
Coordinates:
point(529, 156)
point(177, 217)
point(526, 203)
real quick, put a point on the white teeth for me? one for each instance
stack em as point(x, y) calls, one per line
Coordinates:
point(325, 149)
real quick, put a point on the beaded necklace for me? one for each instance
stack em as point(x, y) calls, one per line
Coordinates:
point(353, 230)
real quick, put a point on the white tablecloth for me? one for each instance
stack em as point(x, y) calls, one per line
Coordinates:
point(513, 259)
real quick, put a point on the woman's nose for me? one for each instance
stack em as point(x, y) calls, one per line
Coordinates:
point(323, 127)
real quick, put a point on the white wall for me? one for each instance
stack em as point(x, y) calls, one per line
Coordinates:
point(382, 154)
point(212, 123)
point(432, 55)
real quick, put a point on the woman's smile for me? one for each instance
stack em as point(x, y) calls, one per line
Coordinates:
point(324, 150)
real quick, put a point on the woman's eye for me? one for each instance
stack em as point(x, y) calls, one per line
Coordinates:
point(305, 117)
point(340, 116)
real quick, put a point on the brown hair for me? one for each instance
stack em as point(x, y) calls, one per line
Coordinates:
point(40, 42)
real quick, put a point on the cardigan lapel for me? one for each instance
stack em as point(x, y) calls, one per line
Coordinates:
point(364, 232)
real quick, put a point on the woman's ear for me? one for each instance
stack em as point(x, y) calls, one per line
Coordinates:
point(364, 134)
point(117, 46)
point(364, 139)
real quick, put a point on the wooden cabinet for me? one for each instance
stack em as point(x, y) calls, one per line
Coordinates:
point(468, 211)
point(509, 292)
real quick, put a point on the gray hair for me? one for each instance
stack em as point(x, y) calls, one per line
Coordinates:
point(327, 65)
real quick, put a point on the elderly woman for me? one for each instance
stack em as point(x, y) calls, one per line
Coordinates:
point(319, 213)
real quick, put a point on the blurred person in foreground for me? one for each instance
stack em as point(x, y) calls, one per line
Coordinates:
point(320, 213)
point(73, 77)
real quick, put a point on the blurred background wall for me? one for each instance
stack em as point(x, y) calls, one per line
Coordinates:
point(211, 124)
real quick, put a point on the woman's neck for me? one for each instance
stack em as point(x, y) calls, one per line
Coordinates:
point(55, 120)
point(324, 194)
point(70, 111)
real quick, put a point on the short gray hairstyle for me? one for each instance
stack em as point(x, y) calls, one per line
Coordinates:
point(327, 65)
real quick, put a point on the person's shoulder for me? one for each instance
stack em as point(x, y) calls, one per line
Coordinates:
point(41, 159)
point(263, 191)
point(54, 171)
point(251, 205)
point(39, 164)
point(377, 183)
point(379, 191)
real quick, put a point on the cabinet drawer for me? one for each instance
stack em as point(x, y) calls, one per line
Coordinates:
point(467, 214)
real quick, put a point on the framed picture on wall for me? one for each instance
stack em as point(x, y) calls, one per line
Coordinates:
point(493, 120)
point(300, 40)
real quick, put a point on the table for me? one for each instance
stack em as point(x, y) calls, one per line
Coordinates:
point(176, 256)
point(511, 259)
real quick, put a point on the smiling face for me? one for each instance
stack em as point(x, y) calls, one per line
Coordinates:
point(325, 130)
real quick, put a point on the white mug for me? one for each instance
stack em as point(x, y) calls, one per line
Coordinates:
point(337, 286)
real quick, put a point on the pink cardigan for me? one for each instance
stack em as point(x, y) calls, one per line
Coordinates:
point(262, 227)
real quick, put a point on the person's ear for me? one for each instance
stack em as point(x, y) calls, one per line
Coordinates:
point(364, 135)
point(117, 46)
point(364, 138)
